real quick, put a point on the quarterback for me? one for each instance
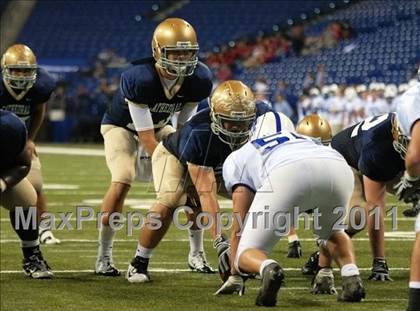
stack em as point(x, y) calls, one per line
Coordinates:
point(293, 170)
point(16, 191)
point(150, 92)
point(25, 90)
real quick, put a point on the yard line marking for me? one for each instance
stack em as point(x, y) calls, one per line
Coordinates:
point(60, 187)
point(160, 270)
point(70, 151)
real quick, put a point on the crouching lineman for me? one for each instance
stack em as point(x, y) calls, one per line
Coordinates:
point(190, 155)
point(18, 195)
point(150, 93)
point(408, 113)
point(270, 175)
point(25, 90)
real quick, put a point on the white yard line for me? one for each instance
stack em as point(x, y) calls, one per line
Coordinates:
point(160, 270)
point(70, 151)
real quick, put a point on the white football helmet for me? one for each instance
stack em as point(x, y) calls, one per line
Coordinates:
point(271, 123)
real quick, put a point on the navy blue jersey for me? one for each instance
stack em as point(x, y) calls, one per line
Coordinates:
point(12, 138)
point(196, 143)
point(141, 84)
point(368, 147)
point(38, 94)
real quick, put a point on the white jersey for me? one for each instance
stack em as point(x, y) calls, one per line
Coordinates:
point(408, 108)
point(250, 165)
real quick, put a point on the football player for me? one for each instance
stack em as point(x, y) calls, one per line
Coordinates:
point(317, 127)
point(16, 192)
point(189, 157)
point(274, 172)
point(375, 149)
point(150, 92)
point(408, 112)
point(25, 90)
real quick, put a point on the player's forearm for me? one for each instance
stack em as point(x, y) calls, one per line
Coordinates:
point(234, 242)
point(36, 121)
point(148, 140)
point(210, 205)
point(412, 164)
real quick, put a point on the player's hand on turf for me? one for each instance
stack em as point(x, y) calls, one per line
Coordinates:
point(407, 189)
point(378, 276)
point(234, 285)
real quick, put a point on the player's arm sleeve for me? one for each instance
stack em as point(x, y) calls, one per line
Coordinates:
point(233, 175)
point(141, 116)
point(188, 110)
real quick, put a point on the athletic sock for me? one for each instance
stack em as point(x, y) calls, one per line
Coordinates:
point(106, 241)
point(265, 263)
point(349, 270)
point(196, 241)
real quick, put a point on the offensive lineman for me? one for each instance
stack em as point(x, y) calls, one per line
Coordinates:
point(16, 191)
point(25, 90)
point(189, 156)
point(408, 113)
point(263, 176)
point(150, 93)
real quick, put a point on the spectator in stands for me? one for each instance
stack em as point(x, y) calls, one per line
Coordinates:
point(320, 76)
point(224, 73)
point(110, 59)
point(281, 105)
point(297, 38)
point(308, 81)
point(261, 91)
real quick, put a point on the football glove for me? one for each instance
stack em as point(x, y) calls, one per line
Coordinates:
point(234, 284)
point(407, 188)
point(222, 247)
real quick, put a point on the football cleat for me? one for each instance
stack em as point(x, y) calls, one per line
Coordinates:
point(105, 267)
point(295, 250)
point(353, 290)
point(36, 267)
point(198, 263)
point(272, 280)
point(323, 282)
point(47, 237)
point(380, 270)
point(311, 266)
point(137, 271)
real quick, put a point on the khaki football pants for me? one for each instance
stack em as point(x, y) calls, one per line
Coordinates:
point(121, 148)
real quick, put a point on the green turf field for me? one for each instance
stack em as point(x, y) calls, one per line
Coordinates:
point(75, 287)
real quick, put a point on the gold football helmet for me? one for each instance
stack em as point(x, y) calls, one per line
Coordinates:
point(19, 67)
point(175, 47)
point(232, 113)
point(315, 126)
